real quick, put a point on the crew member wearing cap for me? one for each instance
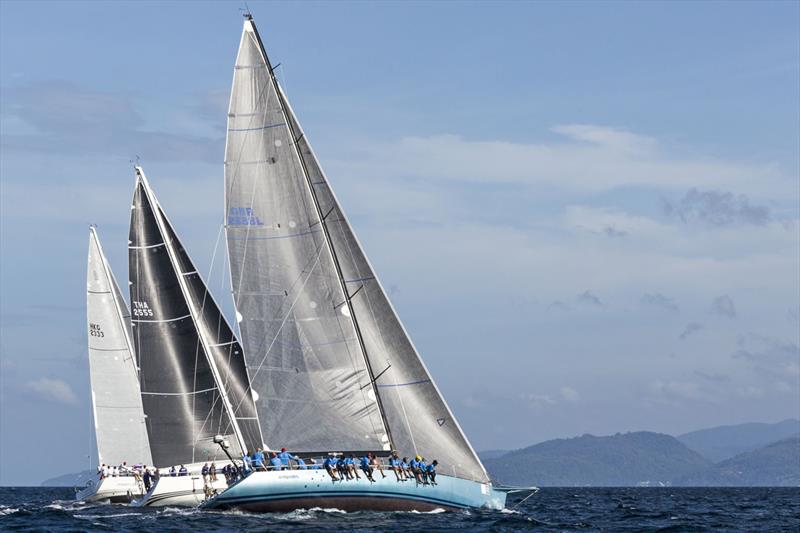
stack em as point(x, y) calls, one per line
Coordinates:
point(285, 457)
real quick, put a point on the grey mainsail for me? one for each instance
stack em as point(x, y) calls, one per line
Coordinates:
point(304, 358)
point(269, 165)
point(116, 401)
point(191, 364)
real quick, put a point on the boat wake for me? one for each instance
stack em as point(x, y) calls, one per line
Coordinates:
point(6, 510)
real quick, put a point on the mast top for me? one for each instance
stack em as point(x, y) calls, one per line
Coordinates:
point(246, 12)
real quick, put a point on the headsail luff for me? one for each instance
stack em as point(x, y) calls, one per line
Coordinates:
point(256, 176)
point(118, 415)
point(187, 352)
point(301, 343)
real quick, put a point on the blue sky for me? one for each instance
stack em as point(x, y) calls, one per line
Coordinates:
point(587, 213)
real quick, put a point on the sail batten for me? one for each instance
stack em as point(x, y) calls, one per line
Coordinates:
point(119, 417)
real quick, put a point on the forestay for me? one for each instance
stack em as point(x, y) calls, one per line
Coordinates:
point(118, 416)
point(419, 418)
point(174, 320)
point(307, 369)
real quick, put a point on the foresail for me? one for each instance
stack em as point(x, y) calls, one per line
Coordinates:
point(180, 396)
point(119, 419)
point(419, 418)
point(307, 369)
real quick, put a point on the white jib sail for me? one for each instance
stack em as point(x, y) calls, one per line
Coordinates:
point(118, 415)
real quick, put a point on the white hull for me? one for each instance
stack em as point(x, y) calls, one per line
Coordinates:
point(120, 489)
point(180, 491)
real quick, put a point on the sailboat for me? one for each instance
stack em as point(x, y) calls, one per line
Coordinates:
point(331, 367)
point(119, 421)
point(194, 382)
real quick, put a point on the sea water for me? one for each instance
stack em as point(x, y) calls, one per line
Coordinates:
point(552, 509)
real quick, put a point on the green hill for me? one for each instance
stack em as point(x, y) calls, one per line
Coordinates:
point(619, 460)
point(723, 442)
point(774, 465)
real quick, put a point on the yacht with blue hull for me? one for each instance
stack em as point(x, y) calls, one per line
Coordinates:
point(289, 490)
point(331, 367)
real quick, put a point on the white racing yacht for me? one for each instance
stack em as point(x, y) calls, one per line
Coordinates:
point(119, 421)
point(331, 367)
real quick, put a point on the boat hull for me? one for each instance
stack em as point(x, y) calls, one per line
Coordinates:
point(180, 491)
point(121, 489)
point(306, 489)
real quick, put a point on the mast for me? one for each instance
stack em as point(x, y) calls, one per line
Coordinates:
point(325, 232)
point(157, 212)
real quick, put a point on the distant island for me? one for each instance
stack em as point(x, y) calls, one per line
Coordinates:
point(754, 454)
point(741, 455)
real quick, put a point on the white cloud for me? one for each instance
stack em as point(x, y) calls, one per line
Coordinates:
point(538, 401)
point(54, 390)
point(570, 394)
point(587, 158)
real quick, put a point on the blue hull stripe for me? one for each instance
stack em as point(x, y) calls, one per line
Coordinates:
point(323, 494)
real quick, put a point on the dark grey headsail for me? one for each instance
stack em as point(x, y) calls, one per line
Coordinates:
point(269, 166)
point(192, 368)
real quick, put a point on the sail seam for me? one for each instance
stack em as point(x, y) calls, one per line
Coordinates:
point(275, 237)
point(268, 126)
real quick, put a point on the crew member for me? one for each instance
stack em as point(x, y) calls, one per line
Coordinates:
point(432, 471)
point(365, 466)
point(330, 466)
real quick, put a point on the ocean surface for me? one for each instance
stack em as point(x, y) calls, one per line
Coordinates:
point(552, 509)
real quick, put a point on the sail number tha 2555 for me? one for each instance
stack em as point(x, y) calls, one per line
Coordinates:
point(141, 309)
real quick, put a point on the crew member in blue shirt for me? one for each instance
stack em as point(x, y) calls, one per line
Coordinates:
point(432, 471)
point(247, 463)
point(258, 460)
point(341, 468)
point(414, 467)
point(183, 471)
point(172, 472)
point(285, 456)
point(352, 465)
point(423, 470)
point(394, 462)
point(301, 465)
point(365, 466)
point(330, 466)
point(275, 462)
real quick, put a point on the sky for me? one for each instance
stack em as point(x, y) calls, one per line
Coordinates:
point(587, 214)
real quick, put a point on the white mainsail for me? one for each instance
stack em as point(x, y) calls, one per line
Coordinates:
point(295, 261)
point(118, 415)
